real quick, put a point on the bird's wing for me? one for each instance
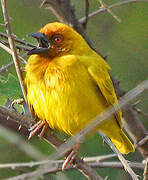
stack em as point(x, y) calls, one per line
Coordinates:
point(99, 72)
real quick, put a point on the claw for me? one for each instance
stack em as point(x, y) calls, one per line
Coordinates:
point(45, 126)
point(71, 157)
point(36, 127)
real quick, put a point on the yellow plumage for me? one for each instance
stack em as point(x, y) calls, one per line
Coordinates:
point(68, 88)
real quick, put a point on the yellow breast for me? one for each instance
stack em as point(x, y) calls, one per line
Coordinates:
point(63, 95)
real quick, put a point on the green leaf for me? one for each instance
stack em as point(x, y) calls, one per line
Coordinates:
point(3, 100)
point(10, 87)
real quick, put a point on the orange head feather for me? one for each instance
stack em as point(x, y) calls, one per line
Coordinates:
point(57, 39)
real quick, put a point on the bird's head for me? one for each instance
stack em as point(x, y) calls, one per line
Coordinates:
point(57, 39)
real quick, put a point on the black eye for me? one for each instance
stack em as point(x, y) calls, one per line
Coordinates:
point(57, 38)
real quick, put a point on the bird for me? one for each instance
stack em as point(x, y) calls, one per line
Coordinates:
point(68, 84)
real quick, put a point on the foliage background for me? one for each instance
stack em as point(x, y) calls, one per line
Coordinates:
point(125, 42)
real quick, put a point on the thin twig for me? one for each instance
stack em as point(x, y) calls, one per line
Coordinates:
point(139, 111)
point(142, 141)
point(16, 118)
point(99, 158)
point(17, 40)
point(104, 6)
point(121, 158)
point(118, 4)
point(5, 68)
point(86, 13)
point(19, 47)
point(86, 170)
point(13, 48)
point(145, 174)
point(58, 168)
point(58, 163)
point(135, 129)
point(37, 163)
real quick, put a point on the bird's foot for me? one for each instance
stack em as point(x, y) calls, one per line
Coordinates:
point(36, 127)
point(71, 156)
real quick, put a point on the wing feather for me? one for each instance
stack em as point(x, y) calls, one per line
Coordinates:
point(99, 72)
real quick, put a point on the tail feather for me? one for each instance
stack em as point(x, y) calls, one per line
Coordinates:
point(122, 143)
point(112, 130)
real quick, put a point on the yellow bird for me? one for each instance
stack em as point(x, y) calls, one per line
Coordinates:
point(68, 84)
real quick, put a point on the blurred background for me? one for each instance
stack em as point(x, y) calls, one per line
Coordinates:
point(126, 45)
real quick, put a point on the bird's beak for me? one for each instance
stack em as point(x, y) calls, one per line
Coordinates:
point(43, 44)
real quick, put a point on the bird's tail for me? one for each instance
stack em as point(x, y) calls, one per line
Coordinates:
point(122, 142)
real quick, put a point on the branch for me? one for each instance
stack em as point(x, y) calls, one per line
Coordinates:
point(3, 35)
point(19, 47)
point(145, 174)
point(5, 68)
point(104, 6)
point(58, 168)
point(60, 162)
point(121, 158)
point(13, 48)
point(86, 13)
point(142, 141)
point(135, 129)
point(80, 164)
point(118, 4)
point(139, 111)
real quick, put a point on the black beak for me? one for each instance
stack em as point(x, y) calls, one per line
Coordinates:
point(43, 45)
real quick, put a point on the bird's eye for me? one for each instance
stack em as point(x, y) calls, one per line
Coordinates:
point(57, 38)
